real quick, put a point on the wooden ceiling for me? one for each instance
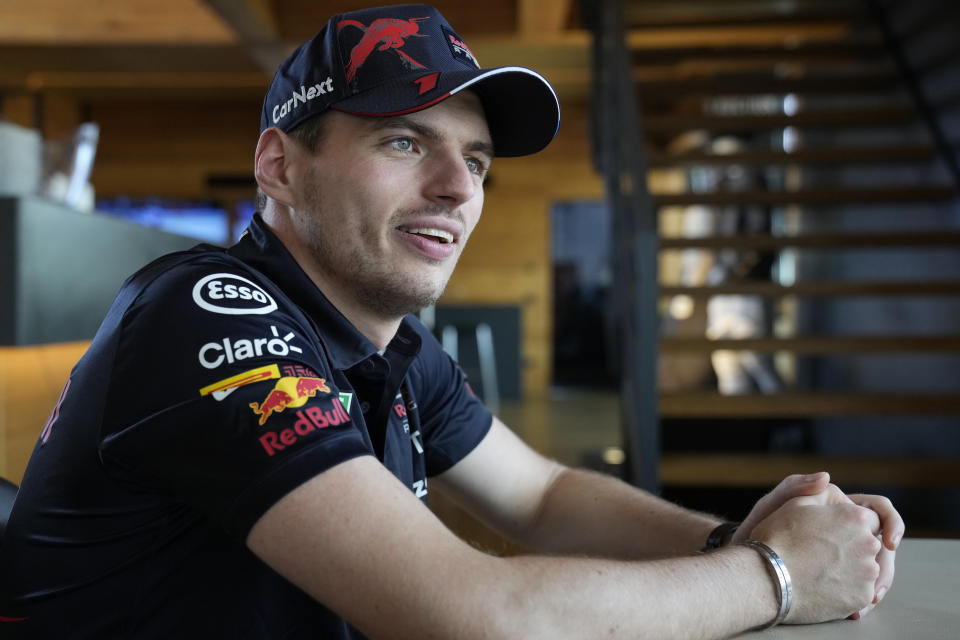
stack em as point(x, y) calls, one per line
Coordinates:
point(185, 46)
point(189, 47)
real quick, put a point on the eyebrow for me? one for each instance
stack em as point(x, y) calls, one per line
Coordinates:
point(426, 131)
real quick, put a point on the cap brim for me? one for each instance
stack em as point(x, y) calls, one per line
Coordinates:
point(522, 110)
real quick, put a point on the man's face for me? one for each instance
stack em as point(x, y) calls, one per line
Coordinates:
point(388, 203)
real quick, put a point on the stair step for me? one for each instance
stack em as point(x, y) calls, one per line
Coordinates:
point(874, 195)
point(806, 405)
point(766, 470)
point(671, 84)
point(770, 54)
point(847, 118)
point(819, 241)
point(765, 157)
point(677, 13)
point(817, 344)
point(820, 289)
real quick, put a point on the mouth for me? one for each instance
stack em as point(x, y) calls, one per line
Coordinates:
point(434, 235)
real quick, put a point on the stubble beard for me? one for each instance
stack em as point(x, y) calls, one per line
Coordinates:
point(386, 291)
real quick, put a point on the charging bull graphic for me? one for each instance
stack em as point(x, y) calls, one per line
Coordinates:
point(290, 391)
point(389, 33)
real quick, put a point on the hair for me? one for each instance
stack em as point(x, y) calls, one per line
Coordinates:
point(309, 134)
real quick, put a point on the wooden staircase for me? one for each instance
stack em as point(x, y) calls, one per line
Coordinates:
point(862, 176)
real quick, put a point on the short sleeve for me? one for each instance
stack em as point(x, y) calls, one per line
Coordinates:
point(220, 396)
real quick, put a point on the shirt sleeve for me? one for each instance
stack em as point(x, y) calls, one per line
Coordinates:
point(220, 397)
point(453, 419)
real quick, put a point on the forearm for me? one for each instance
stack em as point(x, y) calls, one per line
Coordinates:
point(394, 571)
point(589, 513)
point(695, 597)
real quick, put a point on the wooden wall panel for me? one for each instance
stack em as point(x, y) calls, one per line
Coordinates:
point(136, 130)
point(20, 109)
point(171, 148)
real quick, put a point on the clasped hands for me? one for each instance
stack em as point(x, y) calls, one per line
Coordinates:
point(839, 548)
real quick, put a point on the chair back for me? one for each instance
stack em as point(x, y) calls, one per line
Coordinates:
point(8, 493)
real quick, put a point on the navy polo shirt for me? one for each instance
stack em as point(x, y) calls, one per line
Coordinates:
point(219, 381)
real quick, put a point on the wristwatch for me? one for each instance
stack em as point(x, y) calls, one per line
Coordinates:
point(720, 536)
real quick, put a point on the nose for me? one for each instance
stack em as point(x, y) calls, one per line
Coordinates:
point(450, 182)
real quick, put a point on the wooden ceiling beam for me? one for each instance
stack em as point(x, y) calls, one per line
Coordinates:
point(736, 35)
point(257, 27)
point(131, 81)
point(251, 20)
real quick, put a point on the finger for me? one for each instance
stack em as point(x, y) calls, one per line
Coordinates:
point(797, 485)
point(890, 520)
point(805, 485)
point(886, 559)
point(859, 614)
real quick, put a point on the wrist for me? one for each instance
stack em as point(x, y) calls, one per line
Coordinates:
point(780, 577)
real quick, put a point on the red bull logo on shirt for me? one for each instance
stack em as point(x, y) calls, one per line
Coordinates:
point(294, 391)
point(308, 420)
point(290, 391)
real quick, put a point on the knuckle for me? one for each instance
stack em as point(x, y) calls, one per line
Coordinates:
point(867, 570)
point(864, 517)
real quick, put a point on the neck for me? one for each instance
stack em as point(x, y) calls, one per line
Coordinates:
point(377, 329)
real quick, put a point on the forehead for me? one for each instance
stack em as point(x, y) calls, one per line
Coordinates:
point(459, 119)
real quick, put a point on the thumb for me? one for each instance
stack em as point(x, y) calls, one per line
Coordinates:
point(801, 485)
point(791, 487)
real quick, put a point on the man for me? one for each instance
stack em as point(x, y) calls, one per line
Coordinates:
point(246, 449)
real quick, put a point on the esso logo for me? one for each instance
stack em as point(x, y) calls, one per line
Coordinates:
point(233, 295)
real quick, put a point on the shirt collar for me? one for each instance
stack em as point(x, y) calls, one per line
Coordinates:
point(345, 345)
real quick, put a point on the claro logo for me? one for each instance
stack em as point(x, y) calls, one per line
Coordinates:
point(232, 295)
point(231, 350)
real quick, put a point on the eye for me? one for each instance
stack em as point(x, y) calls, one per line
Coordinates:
point(475, 166)
point(402, 144)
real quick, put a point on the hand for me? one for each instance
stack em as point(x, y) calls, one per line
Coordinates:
point(891, 530)
point(789, 488)
point(830, 546)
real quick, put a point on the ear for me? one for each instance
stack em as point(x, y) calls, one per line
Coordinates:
point(273, 163)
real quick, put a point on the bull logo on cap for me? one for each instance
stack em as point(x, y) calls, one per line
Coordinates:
point(389, 33)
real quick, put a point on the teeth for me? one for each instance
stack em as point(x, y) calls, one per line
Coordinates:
point(444, 236)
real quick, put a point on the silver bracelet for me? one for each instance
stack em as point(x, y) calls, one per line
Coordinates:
point(778, 571)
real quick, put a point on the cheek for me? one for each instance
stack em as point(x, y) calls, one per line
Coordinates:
point(472, 212)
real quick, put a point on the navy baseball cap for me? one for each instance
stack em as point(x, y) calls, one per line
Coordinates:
point(399, 59)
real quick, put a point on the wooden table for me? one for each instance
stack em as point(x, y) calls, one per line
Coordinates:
point(924, 603)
